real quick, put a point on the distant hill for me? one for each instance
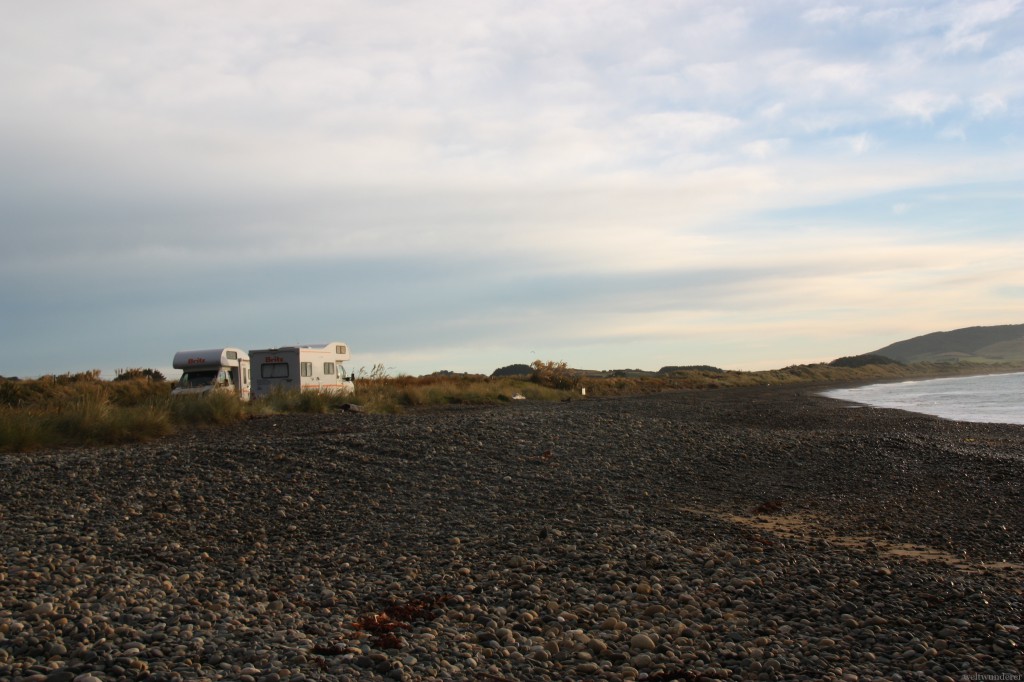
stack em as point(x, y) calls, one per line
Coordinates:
point(512, 371)
point(999, 343)
point(670, 369)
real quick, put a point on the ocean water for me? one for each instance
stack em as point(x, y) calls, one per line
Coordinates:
point(993, 398)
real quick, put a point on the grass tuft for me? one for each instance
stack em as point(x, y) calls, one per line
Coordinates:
point(203, 409)
point(312, 402)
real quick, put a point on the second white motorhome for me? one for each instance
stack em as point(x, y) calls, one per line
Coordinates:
point(215, 369)
point(302, 368)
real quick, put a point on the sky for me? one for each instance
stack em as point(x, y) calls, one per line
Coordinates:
point(466, 184)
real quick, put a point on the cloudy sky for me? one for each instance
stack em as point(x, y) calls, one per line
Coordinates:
point(465, 184)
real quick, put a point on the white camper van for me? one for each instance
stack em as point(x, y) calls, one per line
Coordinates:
point(305, 368)
point(216, 369)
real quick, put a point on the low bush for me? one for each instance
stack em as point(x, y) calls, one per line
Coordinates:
point(139, 373)
point(554, 375)
point(863, 360)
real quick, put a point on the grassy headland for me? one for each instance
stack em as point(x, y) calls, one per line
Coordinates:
point(82, 409)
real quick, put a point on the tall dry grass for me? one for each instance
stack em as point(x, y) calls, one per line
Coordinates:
point(68, 410)
point(378, 391)
point(88, 415)
point(283, 401)
point(82, 409)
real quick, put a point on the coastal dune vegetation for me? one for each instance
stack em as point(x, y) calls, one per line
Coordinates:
point(83, 409)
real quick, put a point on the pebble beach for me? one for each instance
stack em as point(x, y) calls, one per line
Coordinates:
point(735, 534)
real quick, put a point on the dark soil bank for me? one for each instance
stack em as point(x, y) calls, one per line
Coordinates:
point(748, 534)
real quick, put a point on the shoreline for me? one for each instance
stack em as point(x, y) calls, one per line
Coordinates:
point(971, 407)
point(930, 377)
point(750, 533)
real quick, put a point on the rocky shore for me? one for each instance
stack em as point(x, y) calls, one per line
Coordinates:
point(744, 534)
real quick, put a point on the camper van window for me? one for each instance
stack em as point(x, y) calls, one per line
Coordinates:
point(232, 354)
point(196, 379)
point(340, 350)
point(306, 369)
point(274, 370)
point(329, 368)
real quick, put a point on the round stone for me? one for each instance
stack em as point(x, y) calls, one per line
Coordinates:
point(641, 642)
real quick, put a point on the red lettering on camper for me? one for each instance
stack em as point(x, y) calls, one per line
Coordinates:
point(274, 358)
point(197, 361)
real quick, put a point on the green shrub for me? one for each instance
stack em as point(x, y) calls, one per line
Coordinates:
point(139, 373)
point(14, 393)
point(554, 374)
point(863, 360)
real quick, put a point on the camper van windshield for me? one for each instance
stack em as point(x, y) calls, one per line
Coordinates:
point(198, 378)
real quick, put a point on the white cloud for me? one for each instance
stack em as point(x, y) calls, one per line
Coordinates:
point(922, 104)
point(857, 144)
point(849, 77)
point(953, 133)
point(969, 20)
point(827, 14)
point(612, 141)
point(988, 104)
point(714, 77)
point(764, 149)
point(685, 128)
